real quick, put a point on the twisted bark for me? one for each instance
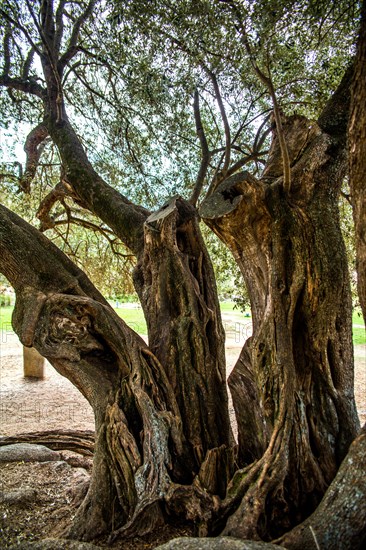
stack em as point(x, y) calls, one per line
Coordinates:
point(138, 427)
point(176, 285)
point(292, 386)
point(339, 521)
point(147, 457)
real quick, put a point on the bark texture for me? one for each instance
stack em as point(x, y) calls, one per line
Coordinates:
point(81, 441)
point(144, 462)
point(176, 284)
point(339, 521)
point(292, 386)
point(357, 159)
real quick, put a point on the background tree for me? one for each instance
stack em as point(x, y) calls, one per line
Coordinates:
point(164, 446)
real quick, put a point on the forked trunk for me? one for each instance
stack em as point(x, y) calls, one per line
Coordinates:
point(176, 285)
point(292, 386)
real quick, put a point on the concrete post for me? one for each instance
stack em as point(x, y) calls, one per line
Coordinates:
point(33, 363)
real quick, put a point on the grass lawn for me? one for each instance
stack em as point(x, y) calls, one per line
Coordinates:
point(5, 318)
point(359, 335)
point(134, 317)
point(357, 318)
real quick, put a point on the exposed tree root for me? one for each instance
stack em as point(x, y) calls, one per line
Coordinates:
point(339, 522)
point(79, 441)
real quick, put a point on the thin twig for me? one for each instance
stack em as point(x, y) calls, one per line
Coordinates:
point(314, 537)
point(267, 81)
point(17, 25)
point(72, 46)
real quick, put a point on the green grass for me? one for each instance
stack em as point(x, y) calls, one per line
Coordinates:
point(359, 335)
point(357, 318)
point(5, 318)
point(134, 318)
point(227, 306)
point(230, 308)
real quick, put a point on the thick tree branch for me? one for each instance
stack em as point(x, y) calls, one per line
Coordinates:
point(59, 26)
point(81, 441)
point(33, 147)
point(204, 149)
point(334, 118)
point(27, 86)
point(225, 122)
point(48, 27)
point(22, 252)
point(46, 32)
point(124, 218)
point(72, 46)
point(6, 42)
point(121, 215)
point(48, 57)
point(27, 64)
point(61, 190)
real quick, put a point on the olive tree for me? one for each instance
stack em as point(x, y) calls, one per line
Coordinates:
point(164, 445)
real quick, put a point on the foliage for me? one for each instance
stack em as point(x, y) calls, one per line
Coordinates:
point(130, 89)
point(78, 233)
point(4, 300)
point(230, 284)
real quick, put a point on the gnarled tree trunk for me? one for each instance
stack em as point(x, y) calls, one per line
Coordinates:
point(163, 440)
point(176, 285)
point(292, 386)
point(147, 455)
point(357, 159)
point(138, 427)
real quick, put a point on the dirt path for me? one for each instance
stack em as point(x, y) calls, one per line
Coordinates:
point(28, 405)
